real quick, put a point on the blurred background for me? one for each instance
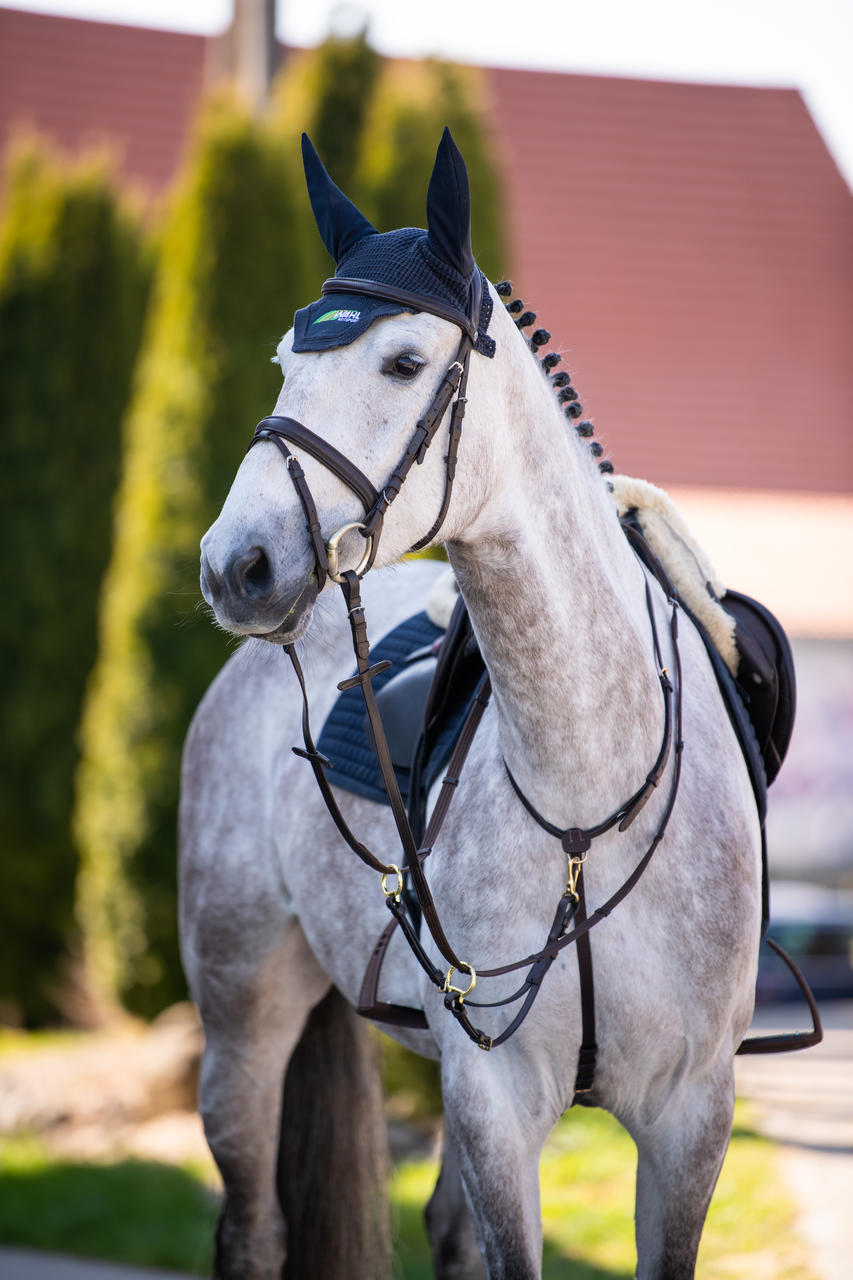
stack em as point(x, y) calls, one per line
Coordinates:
point(668, 186)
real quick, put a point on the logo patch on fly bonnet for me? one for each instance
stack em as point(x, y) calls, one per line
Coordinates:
point(349, 317)
point(321, 327)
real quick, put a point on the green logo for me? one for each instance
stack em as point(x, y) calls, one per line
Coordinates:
point(349, 317)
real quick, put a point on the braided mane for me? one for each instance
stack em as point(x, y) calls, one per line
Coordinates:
point(561, 382)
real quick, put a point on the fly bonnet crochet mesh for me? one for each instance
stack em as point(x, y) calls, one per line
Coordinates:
point(434, 268)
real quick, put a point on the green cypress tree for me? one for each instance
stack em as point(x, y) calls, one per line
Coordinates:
point(232, 268)
point(346, 76)
point(73, 280)
point(412, 104)
point(239, 253)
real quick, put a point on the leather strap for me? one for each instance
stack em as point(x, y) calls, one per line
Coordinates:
point(368, 999)
point(319, 763)
point(355, 611)
point(588, 1052)
point(422, 438)
point(791, 1040)
point(337, 463)
point(411, 301)
point(450, 781)
point(369, 1006)
point(312, 520)
point(576, 839)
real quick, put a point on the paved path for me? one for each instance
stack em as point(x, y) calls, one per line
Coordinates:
point(27, 1264)
point(805, 1104)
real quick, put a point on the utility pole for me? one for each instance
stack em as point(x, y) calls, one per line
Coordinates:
point(247, 53)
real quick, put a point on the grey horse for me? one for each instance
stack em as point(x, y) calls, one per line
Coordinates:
point(279, 918)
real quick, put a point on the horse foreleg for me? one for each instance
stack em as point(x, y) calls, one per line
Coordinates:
point(253, 1015)
point(497, 1141)
point(455, 1253)
point(680, 1154)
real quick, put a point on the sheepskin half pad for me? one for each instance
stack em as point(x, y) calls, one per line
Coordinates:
point(686, 563)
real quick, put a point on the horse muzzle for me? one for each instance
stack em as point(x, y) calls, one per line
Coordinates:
point(248, 599)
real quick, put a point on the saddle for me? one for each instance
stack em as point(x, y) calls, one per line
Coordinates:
point(760, 697)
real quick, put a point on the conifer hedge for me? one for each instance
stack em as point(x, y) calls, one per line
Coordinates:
point(345, 75)
point(73, 280)
point(237, 257)
point(412, 104)
point(239, 254)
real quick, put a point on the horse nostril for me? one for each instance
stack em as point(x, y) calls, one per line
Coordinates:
point(253, 573)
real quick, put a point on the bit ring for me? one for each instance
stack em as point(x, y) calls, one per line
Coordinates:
point(332, 551)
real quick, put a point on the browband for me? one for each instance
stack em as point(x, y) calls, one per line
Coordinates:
point(411, 301)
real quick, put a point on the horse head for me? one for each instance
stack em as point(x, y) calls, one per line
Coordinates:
point(372, 371)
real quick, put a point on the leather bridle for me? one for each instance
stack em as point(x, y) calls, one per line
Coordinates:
point(285, 431)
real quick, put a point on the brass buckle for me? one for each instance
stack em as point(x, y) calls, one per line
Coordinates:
point(461, 992)
point(397, 891)
point(332, 551)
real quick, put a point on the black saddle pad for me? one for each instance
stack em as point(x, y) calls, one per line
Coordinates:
point(401, 693)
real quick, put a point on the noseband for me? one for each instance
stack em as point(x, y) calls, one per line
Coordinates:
point(283, 432)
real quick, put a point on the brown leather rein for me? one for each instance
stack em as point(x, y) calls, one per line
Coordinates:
point(570, 923)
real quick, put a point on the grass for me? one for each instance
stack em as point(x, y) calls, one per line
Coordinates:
point(135, 1211)
point(159, 1215)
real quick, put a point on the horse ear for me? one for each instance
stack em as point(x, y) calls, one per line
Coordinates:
point(449, 208)
point(339, 222)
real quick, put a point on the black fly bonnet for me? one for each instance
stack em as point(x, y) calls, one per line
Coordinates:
point(383, 274)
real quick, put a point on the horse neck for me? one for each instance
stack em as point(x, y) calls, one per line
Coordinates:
point(557, 600)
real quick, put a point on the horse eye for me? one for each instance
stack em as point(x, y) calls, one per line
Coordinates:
point(406, 366)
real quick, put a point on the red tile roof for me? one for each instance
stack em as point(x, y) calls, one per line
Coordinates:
point(690, 247)
point(85, 83)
